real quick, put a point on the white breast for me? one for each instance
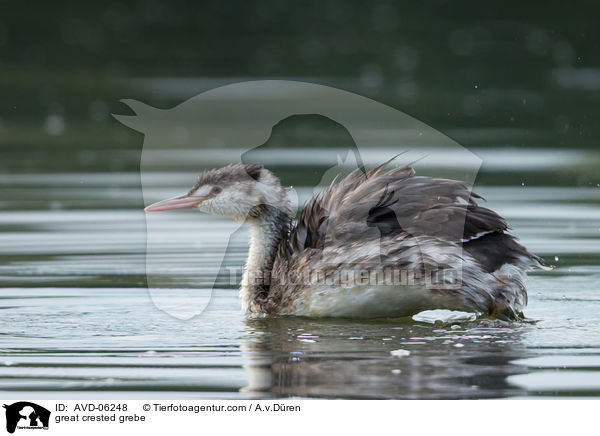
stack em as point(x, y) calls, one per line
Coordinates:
point(364, 301)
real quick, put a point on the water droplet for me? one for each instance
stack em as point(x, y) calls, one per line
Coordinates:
point(556, 258)
point(400, 353)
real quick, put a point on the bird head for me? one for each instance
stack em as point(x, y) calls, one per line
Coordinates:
point(241, 191)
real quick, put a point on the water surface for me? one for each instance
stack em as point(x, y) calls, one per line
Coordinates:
point(78, 321)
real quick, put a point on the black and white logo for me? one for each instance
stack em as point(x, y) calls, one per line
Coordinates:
point(26, 415)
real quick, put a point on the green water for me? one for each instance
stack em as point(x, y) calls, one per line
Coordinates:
point(518, 84)
point(77, 319)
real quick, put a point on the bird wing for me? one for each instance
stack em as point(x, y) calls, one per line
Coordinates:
point(393, 202)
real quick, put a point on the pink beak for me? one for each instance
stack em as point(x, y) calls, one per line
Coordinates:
point(181, 202)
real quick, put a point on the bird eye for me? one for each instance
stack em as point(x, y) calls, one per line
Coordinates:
point(217, 190)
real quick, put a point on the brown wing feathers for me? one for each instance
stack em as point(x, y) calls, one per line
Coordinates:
point(396, 201)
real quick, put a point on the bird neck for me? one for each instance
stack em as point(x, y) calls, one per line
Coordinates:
point(267, 233)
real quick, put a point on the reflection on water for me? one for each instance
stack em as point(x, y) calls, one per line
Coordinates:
point(297, 357)
point(77, 319)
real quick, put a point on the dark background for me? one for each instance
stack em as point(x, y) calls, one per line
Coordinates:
point(487, 74)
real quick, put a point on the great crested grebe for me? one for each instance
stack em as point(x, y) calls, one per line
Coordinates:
point(429, 240)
